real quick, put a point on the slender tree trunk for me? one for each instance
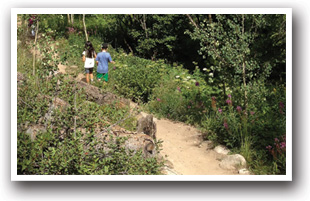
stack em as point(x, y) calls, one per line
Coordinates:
point(84, 25)
point(210, 18)
point(243, 71)
point(69, 21)
point(145, 28)
point(34, 50)
point(128, 46)
point(192, 21)
point(72, 19)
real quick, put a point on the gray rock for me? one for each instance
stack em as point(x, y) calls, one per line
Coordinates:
point(221, 149)
point(233, 162)
point(147, 126)
point(244, 171)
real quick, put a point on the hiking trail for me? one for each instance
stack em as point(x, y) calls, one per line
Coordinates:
point(182, 146)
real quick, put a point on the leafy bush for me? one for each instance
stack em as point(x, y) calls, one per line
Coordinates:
point(135, 77)
point(182, 96)
point(252, 130)
point(49, 154)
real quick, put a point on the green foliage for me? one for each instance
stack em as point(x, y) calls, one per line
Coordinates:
point(67, 143)
point(70, 50)
point(238, 54)
point(252, 130)
point(49, 154)
point(182, 96)
point(55, 149)
point(134, 77)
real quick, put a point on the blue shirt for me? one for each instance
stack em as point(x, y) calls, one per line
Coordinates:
point(103, 58)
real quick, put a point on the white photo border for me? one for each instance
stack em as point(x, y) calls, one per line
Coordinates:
point(286, 11)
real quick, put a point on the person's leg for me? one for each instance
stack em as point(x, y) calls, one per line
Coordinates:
point(87, 78)
point(105, 77)
point(91, 74)
point(87, 75)
point(99, 76)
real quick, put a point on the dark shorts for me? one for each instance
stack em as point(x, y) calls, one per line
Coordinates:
point(102, 76)
point(89, 70)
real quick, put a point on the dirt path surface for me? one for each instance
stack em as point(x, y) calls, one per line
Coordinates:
point(185, 150)
point(183, 145)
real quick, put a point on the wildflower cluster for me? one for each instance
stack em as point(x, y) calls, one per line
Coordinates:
point(279, 148)
point(71, 30)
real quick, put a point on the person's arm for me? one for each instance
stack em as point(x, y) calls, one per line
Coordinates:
point(110, 59)
point(83, 58)
point(97, 60)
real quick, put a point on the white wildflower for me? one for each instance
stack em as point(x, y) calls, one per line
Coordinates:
point(177, 76)
point(211, 74)
point(204, 69)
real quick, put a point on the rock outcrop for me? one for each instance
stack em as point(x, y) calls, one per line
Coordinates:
point(96, 95)
point(147, 126)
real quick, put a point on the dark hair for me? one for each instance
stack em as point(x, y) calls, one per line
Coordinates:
point(104, 46)
point(89, 50)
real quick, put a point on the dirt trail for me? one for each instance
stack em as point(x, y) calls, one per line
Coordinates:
point(182, 144)
point(185, 150)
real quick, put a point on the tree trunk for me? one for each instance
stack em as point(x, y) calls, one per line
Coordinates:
point(243, 71)
point(34, 50)
point(128, 46)
point(72, 19)
point(84, 25)
point(210, 18)
point(192, 21)
point(69, 21)
point(144, 23)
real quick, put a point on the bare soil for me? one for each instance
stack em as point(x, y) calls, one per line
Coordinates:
point(182, 144)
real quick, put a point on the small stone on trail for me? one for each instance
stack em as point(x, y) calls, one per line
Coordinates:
point(244, 171)
point(221, 149)
point(233, 162)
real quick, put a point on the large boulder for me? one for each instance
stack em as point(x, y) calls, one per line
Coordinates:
point(233, 162)
point(147, 126)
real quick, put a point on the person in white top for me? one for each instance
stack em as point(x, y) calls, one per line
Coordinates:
point(89, 56)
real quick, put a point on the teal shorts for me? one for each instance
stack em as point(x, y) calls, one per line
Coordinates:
point(102, 76)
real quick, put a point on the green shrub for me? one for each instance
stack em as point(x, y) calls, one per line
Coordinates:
point(181, 96)
point(49, 154)
point(134, 77)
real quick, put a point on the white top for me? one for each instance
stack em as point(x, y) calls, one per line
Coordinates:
point(89, 62)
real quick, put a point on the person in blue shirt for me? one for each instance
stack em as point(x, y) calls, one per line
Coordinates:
point(103, 58)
